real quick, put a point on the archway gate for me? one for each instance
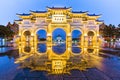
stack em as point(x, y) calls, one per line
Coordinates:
point(59, 17)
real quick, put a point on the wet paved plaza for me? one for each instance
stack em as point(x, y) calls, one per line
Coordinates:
point(106, 67)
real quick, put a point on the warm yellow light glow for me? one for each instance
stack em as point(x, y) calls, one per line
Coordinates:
point(49, 21)
point(49, 35)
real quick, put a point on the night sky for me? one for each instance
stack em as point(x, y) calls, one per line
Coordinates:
point(110, 9)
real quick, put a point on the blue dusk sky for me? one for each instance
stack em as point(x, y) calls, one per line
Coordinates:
point(59, 31)
point(110, 9)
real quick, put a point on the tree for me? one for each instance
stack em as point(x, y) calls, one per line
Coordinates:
point(5, 32)
point(108, 32)
point(118, 31)
point(118, 25)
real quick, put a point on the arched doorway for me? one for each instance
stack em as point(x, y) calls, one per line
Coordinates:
point(41, 35)
point(59, 41)
point(27, 36)
point(76, 41)
point(41, 41)
point(90, 38)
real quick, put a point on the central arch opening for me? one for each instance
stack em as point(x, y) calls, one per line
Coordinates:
point(76, 41)
point(41, 41)
point(59, 41)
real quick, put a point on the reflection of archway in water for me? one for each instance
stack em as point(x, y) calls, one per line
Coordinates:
point(76, 41)
point(58, 40)
point(41, 47)
point(91, 35)
point(76, 50)
point(41, 39)
point(27, 35)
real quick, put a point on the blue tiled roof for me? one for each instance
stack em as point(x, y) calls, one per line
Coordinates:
point(79, 12)
point(19, 20)
point(92, 15)
point(24, 14)
point(59, 7)
point(39, 11)
point(100, 20)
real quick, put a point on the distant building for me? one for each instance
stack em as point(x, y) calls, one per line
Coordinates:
point(2, 42)
point(59, 39)
point(74, 40)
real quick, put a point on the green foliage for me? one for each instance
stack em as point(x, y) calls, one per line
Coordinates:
point(110, 32)
point(5, 32)
point(118, 31)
